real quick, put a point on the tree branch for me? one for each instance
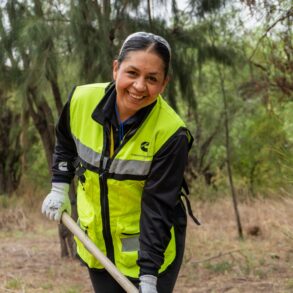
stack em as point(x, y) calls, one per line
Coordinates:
point(287, 15)
point(220, 254)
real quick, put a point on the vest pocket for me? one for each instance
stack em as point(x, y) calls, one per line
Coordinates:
point(130, 242)
point(127, 244)
point(128, 249)
point(129, 258)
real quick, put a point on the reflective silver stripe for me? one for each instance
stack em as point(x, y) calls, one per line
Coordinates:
point(130, 167)
point(130, 244)
point(89, 155)
point(122, 167)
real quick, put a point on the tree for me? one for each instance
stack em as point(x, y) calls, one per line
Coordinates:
point(269, 88)
point(271, 56)
point(47, 47)
point(10, 150)
point(32, 55)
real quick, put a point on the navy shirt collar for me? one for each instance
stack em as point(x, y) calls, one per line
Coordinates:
point(105, 110)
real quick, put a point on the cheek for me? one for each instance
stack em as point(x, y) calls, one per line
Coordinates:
point(121, 83)
point(154, 92)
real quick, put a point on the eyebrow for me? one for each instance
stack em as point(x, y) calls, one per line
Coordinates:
point(135, 68)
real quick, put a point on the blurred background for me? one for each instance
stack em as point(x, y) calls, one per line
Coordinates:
point(231, 81)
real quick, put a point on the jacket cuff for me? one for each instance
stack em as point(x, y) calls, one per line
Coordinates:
point(61, 179)
point(149, 263)
point(148, 271)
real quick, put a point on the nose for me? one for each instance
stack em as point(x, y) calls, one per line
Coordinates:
point(140, 85)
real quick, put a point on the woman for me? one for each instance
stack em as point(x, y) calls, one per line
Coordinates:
point(129, 150)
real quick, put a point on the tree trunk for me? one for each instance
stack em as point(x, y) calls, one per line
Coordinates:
point(57, 95)
point(10, 150)
point(227, 140)
point(43, 120)
point(24, 141)
point(44, 123)
point(67, 243)
point(228, 152)
point(150, 13)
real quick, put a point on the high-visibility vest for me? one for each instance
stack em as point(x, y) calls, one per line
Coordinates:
point(109, 199)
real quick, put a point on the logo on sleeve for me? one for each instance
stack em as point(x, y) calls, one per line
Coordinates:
point(144, 146)
point(62, 166)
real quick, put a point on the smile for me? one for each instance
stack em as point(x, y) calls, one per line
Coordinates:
point(136, 97)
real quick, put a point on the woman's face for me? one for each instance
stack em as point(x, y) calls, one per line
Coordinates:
point(140, 78)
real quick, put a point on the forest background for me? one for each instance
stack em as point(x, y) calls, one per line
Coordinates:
point(231, 81)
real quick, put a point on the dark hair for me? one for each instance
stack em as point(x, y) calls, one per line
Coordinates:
point(142, 41)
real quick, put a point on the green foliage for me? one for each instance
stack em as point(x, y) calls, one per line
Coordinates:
point(4, 201)
point(13, 284)
point(46, 48)
point(201, 7)
point(290, 284)
point(47, 286)
point(10, 151)
point(262, 152)
point(37, 170)
point(219, 267)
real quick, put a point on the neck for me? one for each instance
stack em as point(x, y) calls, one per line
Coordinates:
point(122, 115)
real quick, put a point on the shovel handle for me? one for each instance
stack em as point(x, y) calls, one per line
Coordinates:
point(95, 251)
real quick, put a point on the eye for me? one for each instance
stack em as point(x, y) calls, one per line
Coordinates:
point(131, 73)
point(152, 79)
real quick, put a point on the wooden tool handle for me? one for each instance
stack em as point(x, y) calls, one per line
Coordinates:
point(94, 250)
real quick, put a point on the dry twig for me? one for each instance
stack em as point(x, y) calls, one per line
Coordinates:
point(220, 254)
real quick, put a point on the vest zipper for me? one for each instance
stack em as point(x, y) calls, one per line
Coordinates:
point(126, 138)
point(104, 201)
point(106, 216)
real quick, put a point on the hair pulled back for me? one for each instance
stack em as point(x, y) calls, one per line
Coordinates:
point(142, 41)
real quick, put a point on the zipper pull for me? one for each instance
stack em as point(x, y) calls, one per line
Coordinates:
point(103, 174)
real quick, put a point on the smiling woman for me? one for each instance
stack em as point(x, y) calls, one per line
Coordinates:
point(129, 150)
point(140, 72)
point(139, 80)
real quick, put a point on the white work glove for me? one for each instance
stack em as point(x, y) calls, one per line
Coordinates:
point(57, 201)
point(148, 284)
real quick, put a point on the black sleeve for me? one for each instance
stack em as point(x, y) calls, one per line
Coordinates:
point(65, 150)
point(160, 196)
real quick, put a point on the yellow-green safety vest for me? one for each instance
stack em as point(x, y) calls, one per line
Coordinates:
point(109, 200)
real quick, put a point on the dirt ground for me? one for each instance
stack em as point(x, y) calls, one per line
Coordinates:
point(215, 259)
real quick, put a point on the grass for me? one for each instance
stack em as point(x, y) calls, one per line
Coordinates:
point(215, 260)
point(13, 284)
point(221, 267)
point(221, 261)
point(47, 286)
point(72, 290)
point(290, 284)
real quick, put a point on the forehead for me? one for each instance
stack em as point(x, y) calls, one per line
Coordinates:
point(144, 60)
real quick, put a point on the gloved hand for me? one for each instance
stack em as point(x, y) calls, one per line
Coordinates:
point(57, 201)
point(148, 284)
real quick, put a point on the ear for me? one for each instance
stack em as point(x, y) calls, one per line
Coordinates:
point(115, 69)
point(165, 84)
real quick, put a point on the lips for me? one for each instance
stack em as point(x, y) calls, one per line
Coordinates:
point(136, 97)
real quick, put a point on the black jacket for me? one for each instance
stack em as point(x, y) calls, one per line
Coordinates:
point(162, 188)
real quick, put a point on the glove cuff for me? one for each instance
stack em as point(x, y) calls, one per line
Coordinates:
point(149, 279)
point(60, 187)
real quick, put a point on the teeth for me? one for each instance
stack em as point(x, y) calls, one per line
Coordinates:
point(136, 97)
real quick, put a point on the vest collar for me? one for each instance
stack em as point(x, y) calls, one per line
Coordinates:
point(105, 110)
point(106, 107)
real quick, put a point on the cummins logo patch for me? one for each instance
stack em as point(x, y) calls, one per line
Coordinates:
point(144, 146)
point(62, 166)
